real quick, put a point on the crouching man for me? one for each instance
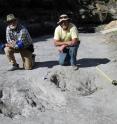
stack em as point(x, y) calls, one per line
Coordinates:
point(18, 41)
point(66, 38)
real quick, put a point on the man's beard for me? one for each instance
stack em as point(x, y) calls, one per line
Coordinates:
point(12, 27)
point(65, 27)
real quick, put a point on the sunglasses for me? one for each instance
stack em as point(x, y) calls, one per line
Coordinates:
point(64, 23)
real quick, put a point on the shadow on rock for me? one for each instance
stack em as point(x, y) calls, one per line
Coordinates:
point(82, 63)
point(90, 62)
point(48, 64)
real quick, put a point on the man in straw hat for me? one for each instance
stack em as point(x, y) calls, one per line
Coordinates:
point(18, 41)
point(66, 38)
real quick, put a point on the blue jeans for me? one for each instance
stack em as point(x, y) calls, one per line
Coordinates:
point(68, 56)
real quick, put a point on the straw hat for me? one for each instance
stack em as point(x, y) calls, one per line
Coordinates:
point(10, 17)
point(63, 17)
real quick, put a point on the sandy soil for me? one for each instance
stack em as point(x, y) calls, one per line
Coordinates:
point(52, 94)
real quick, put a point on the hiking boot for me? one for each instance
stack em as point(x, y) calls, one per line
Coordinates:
point(75, 67)
point(33, 59)
point(14, 67)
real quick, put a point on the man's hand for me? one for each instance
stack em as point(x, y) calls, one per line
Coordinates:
point(9, 45)
point(72, 42)
point(69, 43)
point(61, 48)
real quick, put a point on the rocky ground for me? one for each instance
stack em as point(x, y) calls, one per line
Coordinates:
point(52, 94)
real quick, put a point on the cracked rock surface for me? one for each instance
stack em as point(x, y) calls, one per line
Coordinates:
point(54, 94)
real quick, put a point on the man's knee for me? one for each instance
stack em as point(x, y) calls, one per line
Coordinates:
point(61, 62)
point(27, 59)
point(8, 50)
point(28, 64)
point(28, 68)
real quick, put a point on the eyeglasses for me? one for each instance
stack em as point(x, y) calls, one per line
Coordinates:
point(64, 22)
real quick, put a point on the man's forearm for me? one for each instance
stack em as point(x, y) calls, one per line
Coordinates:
point(75, 41)
point(8, 45)
point(60, 43)
point(68, 43)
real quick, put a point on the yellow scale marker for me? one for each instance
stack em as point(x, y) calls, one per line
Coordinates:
point(114, 82)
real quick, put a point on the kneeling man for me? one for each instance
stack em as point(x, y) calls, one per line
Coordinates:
point(66, 38)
